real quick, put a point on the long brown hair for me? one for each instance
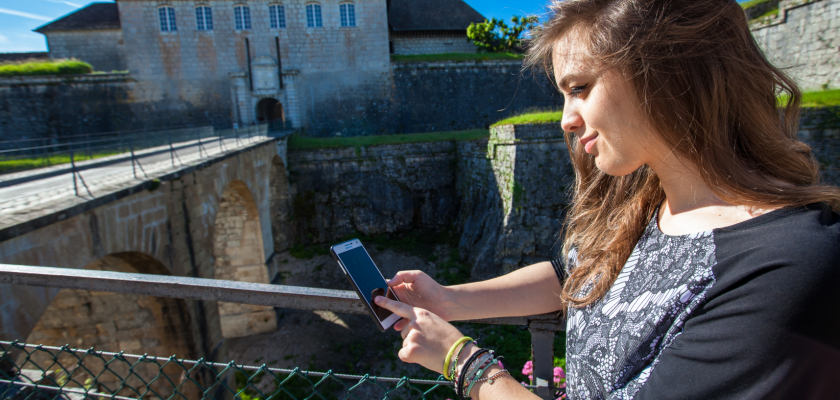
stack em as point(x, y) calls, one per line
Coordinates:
point(709, 93)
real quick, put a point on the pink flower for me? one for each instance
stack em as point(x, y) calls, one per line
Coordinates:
point(528, 369)
point(559, 374)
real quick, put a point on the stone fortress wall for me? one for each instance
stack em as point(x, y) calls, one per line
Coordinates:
point(805, 38)
point(103, 48)
point(432, 45)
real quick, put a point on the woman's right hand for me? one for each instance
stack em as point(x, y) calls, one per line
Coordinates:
point(417, 289)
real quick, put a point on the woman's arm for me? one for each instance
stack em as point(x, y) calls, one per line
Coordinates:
point(531, 290)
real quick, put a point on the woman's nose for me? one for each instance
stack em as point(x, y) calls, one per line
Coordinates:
point(572, 121)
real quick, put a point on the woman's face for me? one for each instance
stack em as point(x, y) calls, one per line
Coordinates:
point(604, 113)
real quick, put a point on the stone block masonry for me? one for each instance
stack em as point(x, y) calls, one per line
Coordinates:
point(805, 38)
point(432, 45)
point(102, 48)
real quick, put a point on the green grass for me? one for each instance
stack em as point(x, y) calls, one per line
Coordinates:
point(747, 4)
point(816, 99)
point(297, 142)
point(774, 11)
point(536, 117)
point(456, 57)
point(46, 67)
point(23, 164)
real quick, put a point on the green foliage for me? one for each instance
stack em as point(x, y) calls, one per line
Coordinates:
point(495, 36)
point(308, 252)
point(455, 57)
point(816, 99)
point(297, 142)
point(536, 117)
point(747, 4)
point(772, 12)
point(22, 164)
point(45, 67)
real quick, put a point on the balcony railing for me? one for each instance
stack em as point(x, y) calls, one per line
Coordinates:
point(48, 372)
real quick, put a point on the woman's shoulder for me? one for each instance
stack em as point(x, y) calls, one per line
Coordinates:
point(805, 238)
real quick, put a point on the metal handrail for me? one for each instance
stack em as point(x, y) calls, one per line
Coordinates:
point(542, 327)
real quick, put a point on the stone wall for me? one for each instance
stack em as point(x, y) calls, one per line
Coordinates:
point(432, 45)
point(805, 38)
point(373, 190)
point(102, 48)
point(820, 128)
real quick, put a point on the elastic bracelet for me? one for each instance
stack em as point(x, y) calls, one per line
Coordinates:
point(449, 356)
point(459, 385)
point(454, 364)
point(479, 374)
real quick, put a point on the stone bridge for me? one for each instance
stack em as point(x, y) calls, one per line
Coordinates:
point(222, 217)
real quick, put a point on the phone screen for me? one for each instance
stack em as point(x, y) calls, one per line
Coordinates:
point(367, 277)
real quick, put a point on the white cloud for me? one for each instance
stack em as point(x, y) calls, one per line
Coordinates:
point(3, 38)
point(24, 14)
point(65, 2)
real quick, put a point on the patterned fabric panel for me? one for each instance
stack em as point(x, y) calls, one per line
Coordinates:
point(613, 345)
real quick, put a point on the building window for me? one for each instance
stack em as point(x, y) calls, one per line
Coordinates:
point(348, 14)
point(167, 19)
point(242, 15)
point(278, 16)
point(204, 18)
point(313, 16)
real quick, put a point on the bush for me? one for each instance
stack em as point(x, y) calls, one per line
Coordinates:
point(48, 67)
point(495, 36)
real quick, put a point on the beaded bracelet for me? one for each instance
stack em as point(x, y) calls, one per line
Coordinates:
point(488, 379)
point(459, 385)
point(478, 375)
point(475, 368)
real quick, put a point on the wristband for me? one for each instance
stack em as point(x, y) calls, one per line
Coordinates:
point(459, 386)
point(453, 367)
point(449, 356)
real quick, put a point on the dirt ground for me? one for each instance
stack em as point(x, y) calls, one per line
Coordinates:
point(323, 340)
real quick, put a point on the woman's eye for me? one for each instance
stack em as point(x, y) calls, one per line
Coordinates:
point(578, 90)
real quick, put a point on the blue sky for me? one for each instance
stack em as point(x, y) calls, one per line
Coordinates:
point(19, 17)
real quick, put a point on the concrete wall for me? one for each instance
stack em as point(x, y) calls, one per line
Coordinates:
point(432, 45)
point(806, 39)
point(102, 48)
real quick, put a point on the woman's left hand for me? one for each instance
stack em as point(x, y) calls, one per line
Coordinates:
point(426, 337)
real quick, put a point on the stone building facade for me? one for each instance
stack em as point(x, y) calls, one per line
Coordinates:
point(431, 26)
point(253, 61)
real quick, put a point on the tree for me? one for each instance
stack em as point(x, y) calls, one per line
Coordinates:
point(495, 36)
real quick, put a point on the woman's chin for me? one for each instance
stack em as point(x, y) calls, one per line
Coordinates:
point(614, 169)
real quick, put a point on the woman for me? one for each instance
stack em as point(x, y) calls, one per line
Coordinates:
point(702, 257)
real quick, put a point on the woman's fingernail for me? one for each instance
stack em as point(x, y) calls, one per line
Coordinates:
point(378, 299)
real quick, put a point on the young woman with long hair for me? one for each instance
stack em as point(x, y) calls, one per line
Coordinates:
point(701, 254)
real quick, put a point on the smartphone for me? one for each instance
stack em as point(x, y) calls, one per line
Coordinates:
point(365, 277)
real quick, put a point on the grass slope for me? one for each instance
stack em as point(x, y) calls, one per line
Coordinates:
point(747, 4)
point(456, 57)
point(46, 67)
point(537, 117)
point(297, 142)
point(23, 164)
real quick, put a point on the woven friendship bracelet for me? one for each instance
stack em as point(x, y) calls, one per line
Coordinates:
point(459, 384)
point(454, 364)
point(479, 374)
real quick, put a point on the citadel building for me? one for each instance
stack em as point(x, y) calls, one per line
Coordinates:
point(255, 61)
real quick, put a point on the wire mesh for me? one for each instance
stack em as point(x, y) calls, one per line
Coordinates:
point(35, 372)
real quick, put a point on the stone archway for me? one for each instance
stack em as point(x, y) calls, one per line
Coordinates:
point(270, 110)
point(239, 256)
point(116, 322)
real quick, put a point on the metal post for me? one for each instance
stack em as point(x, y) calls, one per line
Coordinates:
point(171, 149)
point(73, 170)
point(542, 352)
point(236, 132)
point(198, 134)
point(133, 165)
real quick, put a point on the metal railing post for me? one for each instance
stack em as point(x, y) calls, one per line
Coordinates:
point(542, 352)
point(73, 170)
point(171, 149)
point(133, 167)
point(236, 132)
point(198, 134)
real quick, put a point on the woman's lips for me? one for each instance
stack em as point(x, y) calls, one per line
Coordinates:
point(588, 142)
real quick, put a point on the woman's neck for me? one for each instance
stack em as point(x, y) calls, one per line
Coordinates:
point(690, 204)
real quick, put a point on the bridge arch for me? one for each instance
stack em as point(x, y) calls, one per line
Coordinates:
point(115, 322)
point(239, 256)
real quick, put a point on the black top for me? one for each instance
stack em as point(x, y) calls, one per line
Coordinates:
point(751, 311)
point(93, 16)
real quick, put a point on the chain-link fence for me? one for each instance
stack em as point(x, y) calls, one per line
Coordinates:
point(36, 372)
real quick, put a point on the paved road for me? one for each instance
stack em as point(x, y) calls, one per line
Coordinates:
point(100, 180)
